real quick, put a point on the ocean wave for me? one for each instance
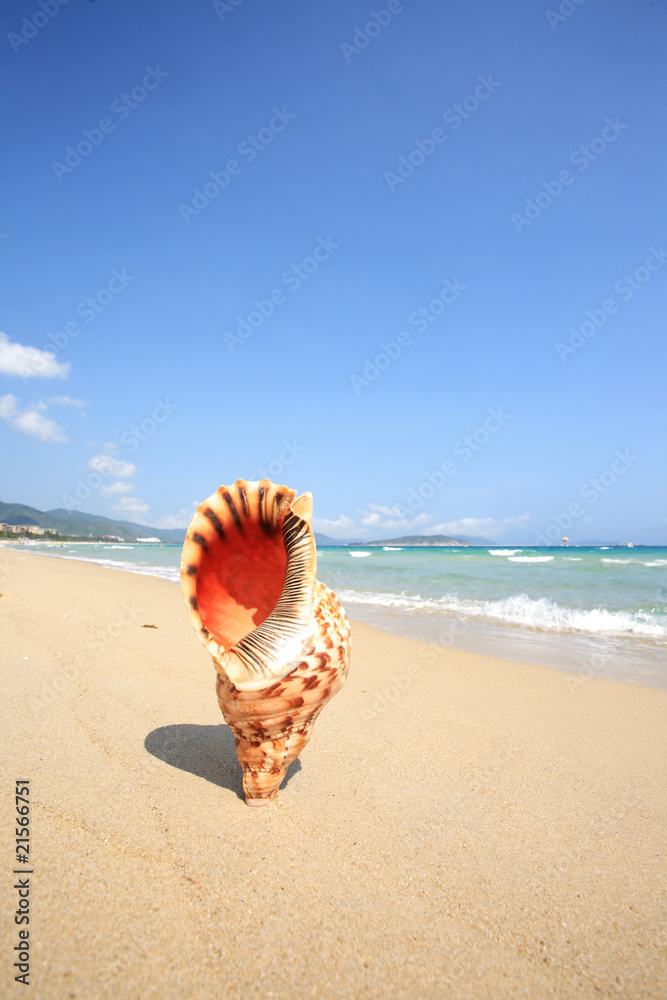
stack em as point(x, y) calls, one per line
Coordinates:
point(163, 572)
point(360, 555)
point(637, 562)
point(503, 552)
point(170, 573)
point(530, 559)
point(572, 558)
point(541, 614)
point(392, 548)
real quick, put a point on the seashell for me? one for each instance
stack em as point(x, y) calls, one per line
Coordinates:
point(279, 639)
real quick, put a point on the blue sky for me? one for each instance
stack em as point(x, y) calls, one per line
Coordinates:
point(410, 257)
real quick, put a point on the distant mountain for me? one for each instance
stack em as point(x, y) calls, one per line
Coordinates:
point(480, 540)
point(325, 540)
point(417, 541)
point(82, 525)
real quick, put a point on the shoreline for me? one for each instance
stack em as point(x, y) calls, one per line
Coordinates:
point(631, 660)
point(458, 825)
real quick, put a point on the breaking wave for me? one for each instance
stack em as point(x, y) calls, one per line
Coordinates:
point(543, 613)
point(530, 559)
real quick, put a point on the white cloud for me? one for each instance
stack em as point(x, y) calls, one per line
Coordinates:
point(369, 523)
point(114, 488)
point(67, 401)
point(180, 520)
point(340, 528)
point(30, 421)
point(378, 521)
point(478, 526)
point(130, 505)
point(29, 362)
point(391, 518)
point(109, 466)
point(8, 406)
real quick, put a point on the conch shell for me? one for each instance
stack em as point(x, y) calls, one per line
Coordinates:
point(279, 639)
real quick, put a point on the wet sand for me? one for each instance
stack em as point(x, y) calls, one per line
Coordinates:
point(458, 827)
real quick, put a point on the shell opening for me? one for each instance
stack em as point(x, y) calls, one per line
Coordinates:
point(249, 557)
point(239, 583)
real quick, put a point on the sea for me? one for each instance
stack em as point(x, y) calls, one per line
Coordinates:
point(593, 611)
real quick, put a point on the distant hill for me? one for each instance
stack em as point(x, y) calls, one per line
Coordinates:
point(82, 525)
point(74, 522)
point(325, 540)
point(417, 541)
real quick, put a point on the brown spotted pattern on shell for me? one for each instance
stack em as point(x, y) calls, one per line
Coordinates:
point(279, 639)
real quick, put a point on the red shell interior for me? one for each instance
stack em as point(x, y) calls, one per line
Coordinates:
point(239, 582)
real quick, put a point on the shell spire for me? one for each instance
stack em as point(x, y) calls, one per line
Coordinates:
point(279, 639)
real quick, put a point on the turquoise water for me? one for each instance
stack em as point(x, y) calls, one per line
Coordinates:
point(598, 611)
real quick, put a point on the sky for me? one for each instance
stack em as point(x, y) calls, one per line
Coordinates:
point(411, 257)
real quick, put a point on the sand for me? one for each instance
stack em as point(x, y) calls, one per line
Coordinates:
point(458, 827)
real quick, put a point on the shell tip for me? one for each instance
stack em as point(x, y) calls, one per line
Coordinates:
point(303, 506)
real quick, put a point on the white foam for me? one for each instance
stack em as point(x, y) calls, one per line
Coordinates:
point(547, 614)
point(572, 558)
point(656, 562)
point(392, 548)
point(530, 559)
point(519, 609)
point(360, 555)
point(163, 572)
point(503, 552)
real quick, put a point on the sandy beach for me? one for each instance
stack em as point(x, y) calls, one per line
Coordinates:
point(458, 827)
